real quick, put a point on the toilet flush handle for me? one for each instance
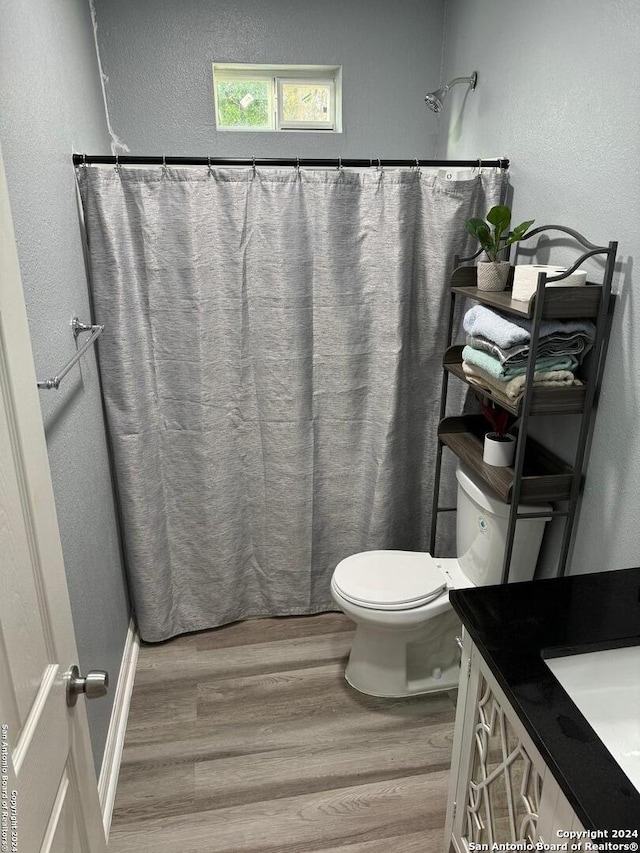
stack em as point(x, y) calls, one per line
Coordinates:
point(459, 642)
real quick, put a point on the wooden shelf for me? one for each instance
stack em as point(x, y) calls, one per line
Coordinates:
point(544, 401)
point(545, 477)
point(559, 302)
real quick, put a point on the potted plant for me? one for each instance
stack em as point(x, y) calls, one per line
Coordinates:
point(499, 445)
point(493, 274)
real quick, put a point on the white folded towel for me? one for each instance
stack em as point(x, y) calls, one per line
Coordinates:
point(514, 388)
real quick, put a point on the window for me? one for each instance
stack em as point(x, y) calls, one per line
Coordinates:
point(278, 97)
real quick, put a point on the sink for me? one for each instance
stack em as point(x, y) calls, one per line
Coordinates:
point(605, 686)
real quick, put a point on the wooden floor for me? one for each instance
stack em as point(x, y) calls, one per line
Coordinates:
point(247, 738)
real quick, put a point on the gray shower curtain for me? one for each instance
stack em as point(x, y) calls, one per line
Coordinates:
point(271, 366)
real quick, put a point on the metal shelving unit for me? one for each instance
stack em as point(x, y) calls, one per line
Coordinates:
point(537, 474)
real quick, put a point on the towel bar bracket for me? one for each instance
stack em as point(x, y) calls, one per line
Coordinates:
point(77, 327)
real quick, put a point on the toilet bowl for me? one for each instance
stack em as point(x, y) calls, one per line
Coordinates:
point(404, 648)
point(405, 639)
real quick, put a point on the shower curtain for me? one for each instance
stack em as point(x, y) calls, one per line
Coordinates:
point(271, 366)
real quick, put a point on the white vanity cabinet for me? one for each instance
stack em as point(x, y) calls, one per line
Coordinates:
point(501, 791)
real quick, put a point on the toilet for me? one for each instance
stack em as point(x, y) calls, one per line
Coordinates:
point(405, 639)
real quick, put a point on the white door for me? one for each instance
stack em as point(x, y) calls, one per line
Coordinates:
point(48, 789)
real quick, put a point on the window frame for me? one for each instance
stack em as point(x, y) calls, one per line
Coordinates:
point(330, 75)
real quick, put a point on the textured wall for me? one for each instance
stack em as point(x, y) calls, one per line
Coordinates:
point(51, 105)
point(158, 55)
point(558, 93)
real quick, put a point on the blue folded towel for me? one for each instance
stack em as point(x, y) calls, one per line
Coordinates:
point(509, 331)
point(491, 365)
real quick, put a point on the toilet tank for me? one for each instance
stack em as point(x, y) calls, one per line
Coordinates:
point(481, 533)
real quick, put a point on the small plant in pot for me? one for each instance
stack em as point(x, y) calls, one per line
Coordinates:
point(499, 445)
point(493, 274)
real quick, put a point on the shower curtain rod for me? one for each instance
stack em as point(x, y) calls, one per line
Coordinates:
point(302, 162)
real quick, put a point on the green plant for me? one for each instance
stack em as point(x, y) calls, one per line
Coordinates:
point(500, 217)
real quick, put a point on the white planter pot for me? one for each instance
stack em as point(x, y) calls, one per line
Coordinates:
point(493, 275)
point(499, 450)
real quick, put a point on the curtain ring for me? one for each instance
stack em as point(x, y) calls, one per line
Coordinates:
point(340, 166)
point(298, 167)
point(418, 169)
point(84, 160)
point(479, 164)
point(253, 166)
point(164, 166)
point(117, 166)
point(209, 172)
point(379, 167)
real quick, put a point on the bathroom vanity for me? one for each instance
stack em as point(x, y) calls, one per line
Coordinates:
point(534, 760)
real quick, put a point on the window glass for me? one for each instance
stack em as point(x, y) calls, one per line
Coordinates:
point(306, 102)
point(244, 103)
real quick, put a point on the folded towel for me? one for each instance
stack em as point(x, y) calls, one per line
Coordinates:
point(509, 331)
point(576, 344)
point(513, 389)
point(492, 365)
point(496, 393)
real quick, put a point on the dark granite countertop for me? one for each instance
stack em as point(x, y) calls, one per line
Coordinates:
point(515, 627)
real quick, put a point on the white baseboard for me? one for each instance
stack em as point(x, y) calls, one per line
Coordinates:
point(115, 738)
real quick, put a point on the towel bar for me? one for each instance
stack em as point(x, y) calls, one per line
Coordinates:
point(77, 328)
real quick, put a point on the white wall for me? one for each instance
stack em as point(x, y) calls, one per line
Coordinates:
point(157, 55)
point(558, 93)
point(52, 104)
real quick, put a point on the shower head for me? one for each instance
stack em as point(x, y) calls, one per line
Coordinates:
point(434, 99)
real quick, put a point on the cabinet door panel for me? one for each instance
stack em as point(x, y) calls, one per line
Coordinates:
point(505, 786)
point(504, 792)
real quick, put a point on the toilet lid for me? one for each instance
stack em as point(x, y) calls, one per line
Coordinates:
point(389, 580)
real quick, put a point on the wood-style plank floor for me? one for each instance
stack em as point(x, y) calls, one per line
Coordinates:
point(247, 739)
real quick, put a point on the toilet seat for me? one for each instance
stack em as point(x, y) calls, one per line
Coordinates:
point(389, 580)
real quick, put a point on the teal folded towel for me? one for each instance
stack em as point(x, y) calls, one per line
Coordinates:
point(491, 365)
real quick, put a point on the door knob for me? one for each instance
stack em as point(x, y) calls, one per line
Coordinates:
point(93, 685)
